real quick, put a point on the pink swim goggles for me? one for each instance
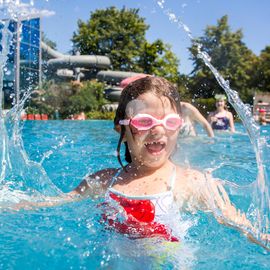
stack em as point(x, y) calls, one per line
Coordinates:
point(147, 121)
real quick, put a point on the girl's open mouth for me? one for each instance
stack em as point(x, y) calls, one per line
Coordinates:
point(155, 148)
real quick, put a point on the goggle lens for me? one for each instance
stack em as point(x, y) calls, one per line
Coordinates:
point(173, 123)
point(144, 122)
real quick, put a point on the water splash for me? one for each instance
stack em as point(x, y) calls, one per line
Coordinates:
point(15, 9)
point(19, 176)
point(261, 196)
point(48, 153)
point(260, 211)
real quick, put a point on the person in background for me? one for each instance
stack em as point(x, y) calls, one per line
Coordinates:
point(221, 118)
point(80, 116)
point(262, 117)
point(190, 115)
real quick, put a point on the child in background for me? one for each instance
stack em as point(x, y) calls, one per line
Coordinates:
point(144, 192)
point(262, 117)
point(221, 119)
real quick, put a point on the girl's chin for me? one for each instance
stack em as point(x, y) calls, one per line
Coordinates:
point(154, 161)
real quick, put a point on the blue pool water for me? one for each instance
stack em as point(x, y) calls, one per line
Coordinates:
point(71, 236)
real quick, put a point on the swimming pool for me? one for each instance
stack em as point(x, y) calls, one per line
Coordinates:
point(71, 236)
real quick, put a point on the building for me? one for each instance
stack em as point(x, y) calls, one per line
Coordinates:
point(261, 104)
point(23, 67)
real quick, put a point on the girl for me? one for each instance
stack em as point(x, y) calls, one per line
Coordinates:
point(221, 119)
point(141, 195)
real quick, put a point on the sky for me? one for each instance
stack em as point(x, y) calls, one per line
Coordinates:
point(252, 16)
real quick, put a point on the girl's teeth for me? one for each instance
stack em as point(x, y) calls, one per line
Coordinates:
point(154, 147)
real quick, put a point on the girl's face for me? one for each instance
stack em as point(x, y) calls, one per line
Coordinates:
point(220, 103)
point(153, 147)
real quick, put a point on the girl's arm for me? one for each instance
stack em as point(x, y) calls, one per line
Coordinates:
point(91, 186)
point(231, 122)
point(47, 201)
point(195, 115)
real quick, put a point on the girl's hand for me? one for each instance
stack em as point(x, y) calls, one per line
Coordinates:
point(213, 119)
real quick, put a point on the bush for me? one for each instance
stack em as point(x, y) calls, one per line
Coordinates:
point(100, 115)
point(69, 98)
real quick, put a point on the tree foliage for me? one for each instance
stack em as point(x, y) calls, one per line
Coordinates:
point(229, 55)
point(157, 58)
point(88, 98)
point(263, 71)
point(120, 35)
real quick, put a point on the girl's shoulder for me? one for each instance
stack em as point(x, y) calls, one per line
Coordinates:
point(188, 188)
point(229, 114)
point(188, 173)
point(103, 176)
point(187, 179)
point(94, 182)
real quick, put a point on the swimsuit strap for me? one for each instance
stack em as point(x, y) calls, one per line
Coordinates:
point(115, 177)
point(173, 177)
point(172, 181)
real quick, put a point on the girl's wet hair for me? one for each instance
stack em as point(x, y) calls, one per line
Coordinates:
point(155, 85)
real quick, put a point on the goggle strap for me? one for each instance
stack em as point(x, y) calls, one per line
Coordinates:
point(124, 122)
point(122, 133)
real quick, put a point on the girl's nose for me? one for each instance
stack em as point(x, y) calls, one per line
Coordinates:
point(158, 129)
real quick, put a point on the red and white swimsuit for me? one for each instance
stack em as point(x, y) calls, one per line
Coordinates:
point(141, 216)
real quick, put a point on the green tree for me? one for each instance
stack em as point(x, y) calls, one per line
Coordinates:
point(183, 84)
point(263, 71)
point(229, 55)
point(157, 58)
point(88, 98)
point(120, 35)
